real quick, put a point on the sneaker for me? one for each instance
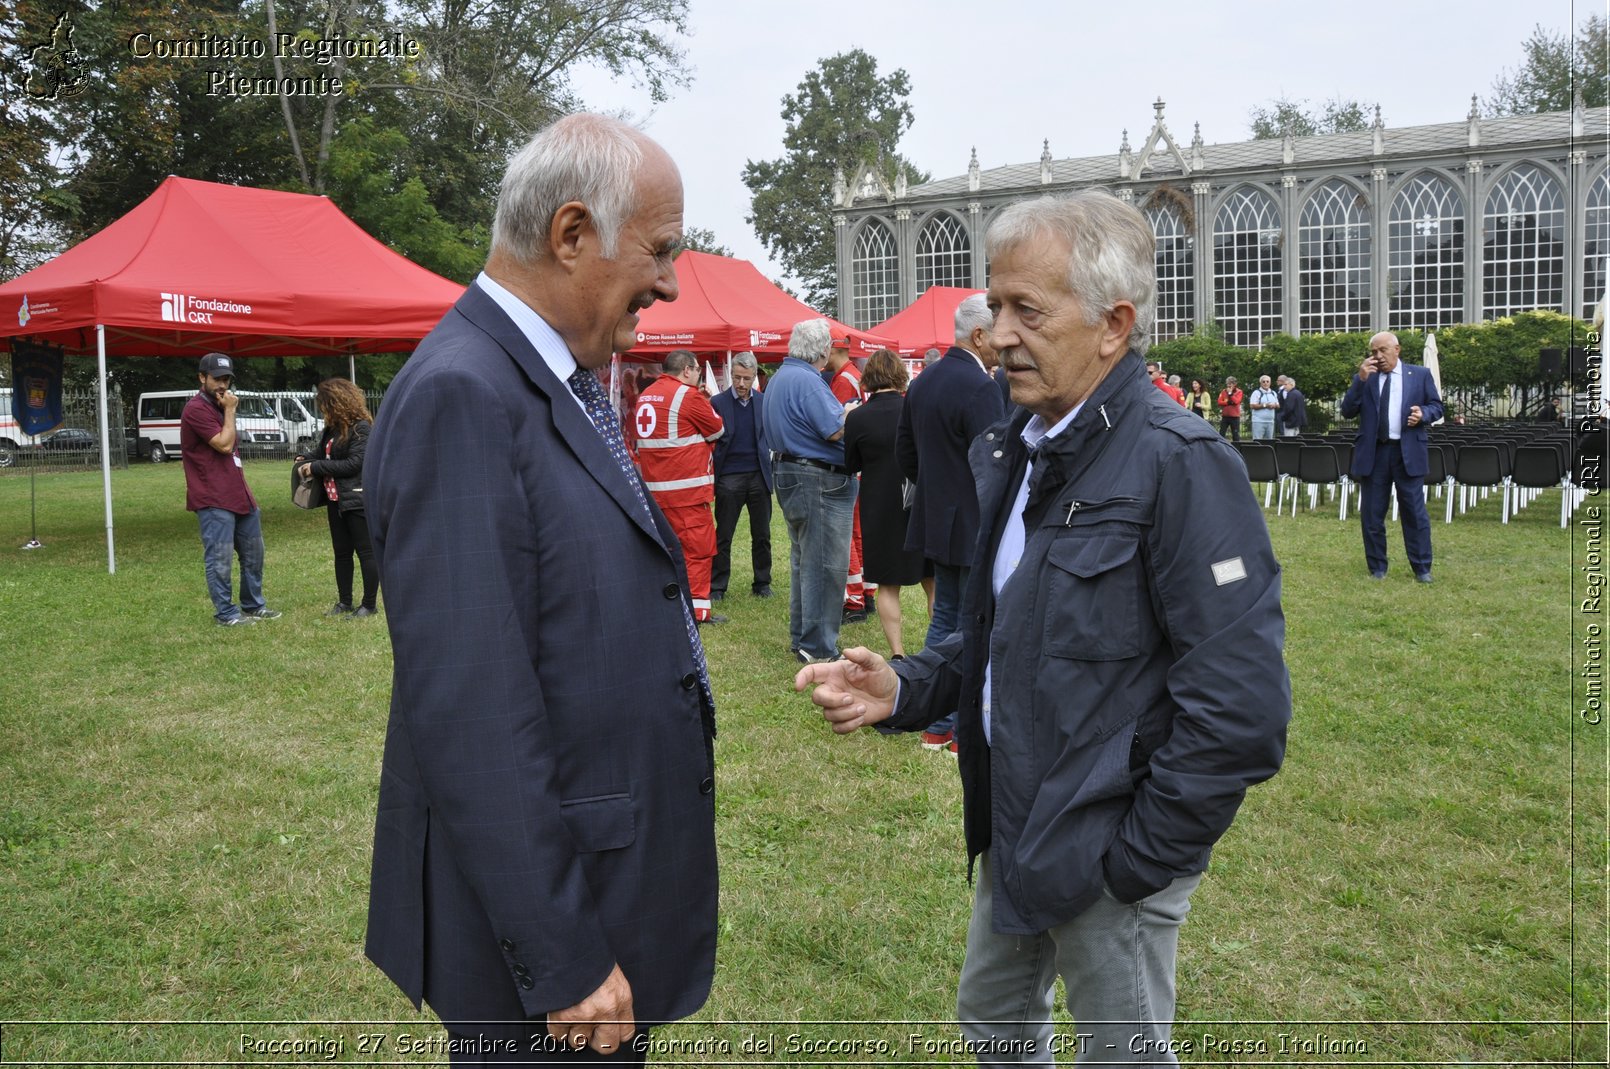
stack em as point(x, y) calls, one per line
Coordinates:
point(762, 591)
point(1422, 577)
point(362, 611)
point(1377, 575)
point(718, 595)
point(237, 621)
point(340, 608)
point(805, 658)
point(713, 618)
point(931, 741)
point(951, 749)
point(264, 613)
point(855, 616)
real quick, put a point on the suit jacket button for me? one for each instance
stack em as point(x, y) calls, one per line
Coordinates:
point(527, 983)
point(707, 785)
point(507, 944)
point(672, 591)
point(520, 969)
point(690, 681)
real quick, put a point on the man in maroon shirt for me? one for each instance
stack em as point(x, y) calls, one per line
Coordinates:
point(216, 491)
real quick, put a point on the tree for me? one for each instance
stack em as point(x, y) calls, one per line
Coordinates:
point(843, 115)
point(1335, 116)
point(1554, 67)
point(700, 239)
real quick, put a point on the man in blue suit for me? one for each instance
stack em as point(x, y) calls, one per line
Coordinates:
point(947, 406)
point(743, 477)
point(1395, 403)
point(544, 866)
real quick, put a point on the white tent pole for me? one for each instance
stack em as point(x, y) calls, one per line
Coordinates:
point(352, 368)
point(106, 448)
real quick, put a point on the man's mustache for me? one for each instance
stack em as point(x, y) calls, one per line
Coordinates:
point(1015, 360)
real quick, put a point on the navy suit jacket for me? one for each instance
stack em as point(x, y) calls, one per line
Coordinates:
point(1360, 401)
point(947, 406)
point(547, 799)
point(726, 404)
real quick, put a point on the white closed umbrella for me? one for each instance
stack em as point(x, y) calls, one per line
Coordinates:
point(1432, 365)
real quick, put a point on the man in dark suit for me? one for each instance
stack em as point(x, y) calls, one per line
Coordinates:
point(1395, 403)
point(947, 406)
point(743, 477)
point(544, 864)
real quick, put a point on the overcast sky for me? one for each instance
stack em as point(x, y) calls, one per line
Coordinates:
point(1005, 75)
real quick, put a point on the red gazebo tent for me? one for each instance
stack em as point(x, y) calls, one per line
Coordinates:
point(199, 267)
point(728, 306)
point(929, 322)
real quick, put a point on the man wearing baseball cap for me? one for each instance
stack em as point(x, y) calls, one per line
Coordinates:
point(216, 491)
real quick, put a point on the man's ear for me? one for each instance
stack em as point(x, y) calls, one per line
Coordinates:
point(1117, 324)
point(571, 228)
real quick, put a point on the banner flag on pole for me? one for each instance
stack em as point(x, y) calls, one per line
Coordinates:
point(36, 386)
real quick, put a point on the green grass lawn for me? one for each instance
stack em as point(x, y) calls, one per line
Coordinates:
point(186, 812)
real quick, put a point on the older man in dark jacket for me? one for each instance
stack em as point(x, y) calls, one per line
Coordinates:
point(1119, 669)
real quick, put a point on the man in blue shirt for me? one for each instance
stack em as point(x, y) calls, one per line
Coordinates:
point(804, 428)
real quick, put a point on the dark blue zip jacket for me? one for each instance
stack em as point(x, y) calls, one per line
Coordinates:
point(1139, 686)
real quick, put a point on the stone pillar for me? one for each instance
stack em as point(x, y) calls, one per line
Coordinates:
point(841, 247)
point(905, 240)
point(1576, 219)
point(1202, 253)
point(1380, 251)
point(1290, 258)
point(1475, 237)
point(975, 234)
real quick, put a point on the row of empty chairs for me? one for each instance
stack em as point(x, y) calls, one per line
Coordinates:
point(1466, 467)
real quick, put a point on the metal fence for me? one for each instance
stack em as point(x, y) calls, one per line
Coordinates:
point(75, 444)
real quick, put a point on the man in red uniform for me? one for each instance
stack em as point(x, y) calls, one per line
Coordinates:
point(844, 379)
point(1154, 371)
point(674, 427)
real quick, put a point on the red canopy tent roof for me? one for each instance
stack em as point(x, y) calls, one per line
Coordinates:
point(199, 267)
point(726, 306)
point(929, 322)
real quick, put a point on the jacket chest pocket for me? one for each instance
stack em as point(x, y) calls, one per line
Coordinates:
point(1093, 594)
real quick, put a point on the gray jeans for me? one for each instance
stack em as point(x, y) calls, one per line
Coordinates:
point(1116, 960)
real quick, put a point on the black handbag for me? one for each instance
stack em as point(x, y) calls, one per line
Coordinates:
point(307, 491)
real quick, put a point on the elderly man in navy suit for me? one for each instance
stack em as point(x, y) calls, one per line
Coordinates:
point(743, 477)
point(1395, 403)
point(544, 864)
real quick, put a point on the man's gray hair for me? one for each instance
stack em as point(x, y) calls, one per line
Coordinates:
point(588, 158)
point(743, 360)
point(810, 341)
point(1112, 253)
point(931, 356)
point(678, 361)
point(971, 314)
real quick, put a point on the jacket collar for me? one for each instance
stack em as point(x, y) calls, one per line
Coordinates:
point(569, 421)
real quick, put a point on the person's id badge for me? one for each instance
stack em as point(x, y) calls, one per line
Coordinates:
point(237, 460)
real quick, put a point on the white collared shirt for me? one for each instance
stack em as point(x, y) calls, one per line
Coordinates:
point(1015, 537)
point(1394, 404)
point(543, 338)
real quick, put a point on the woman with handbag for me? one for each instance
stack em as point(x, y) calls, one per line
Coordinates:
point(869, 433)
point(337, 463)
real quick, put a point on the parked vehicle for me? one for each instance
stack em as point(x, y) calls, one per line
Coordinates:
point(70, 440)
point(257, 429)
point(298, 415)
point(11, 436)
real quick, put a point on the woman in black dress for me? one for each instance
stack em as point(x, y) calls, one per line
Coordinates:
point(338, 463)
point(869, 449)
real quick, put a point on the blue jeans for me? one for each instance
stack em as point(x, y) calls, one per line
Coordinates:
point(819, 507)
point(224, 534)
point(950, 580)
point(1116, 961)
point(1378, 485)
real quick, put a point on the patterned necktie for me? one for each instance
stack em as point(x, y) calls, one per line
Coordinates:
point(591, 394)
point(1383, 422)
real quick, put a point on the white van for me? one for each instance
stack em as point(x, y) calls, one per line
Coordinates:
point(298, 415)
point(257, 430)
point(11, 436)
